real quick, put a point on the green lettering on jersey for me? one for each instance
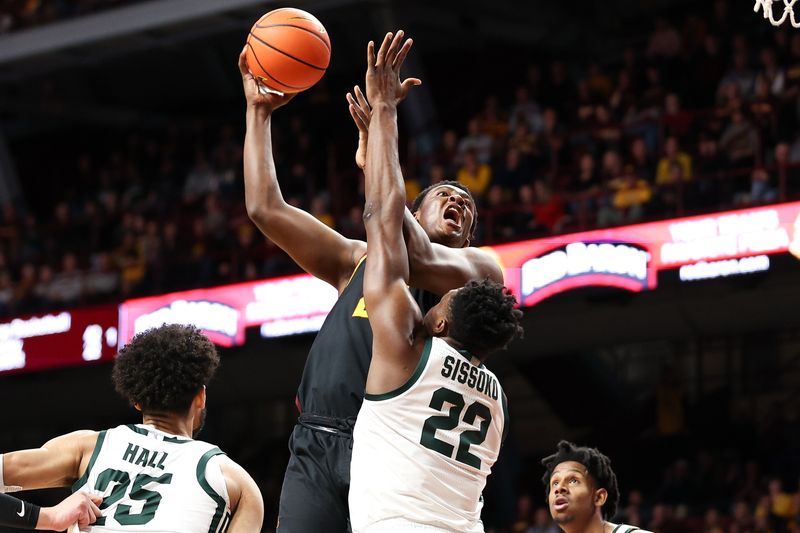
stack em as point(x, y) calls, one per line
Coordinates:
point(161, 462)
point(130, 453)
point(143, 458)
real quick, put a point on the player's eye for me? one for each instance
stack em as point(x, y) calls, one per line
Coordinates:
point(573, 481)
point(555, 483)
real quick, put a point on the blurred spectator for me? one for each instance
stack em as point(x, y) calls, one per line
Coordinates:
point(319, 209)
point(526, 110)
point(494, 123)
point(643, 164)
point(448, 154)
point(548, 208)
point(67, 286)
point(524, 514)
point(665, 41)
point(511, 174)
point(352, 226)
point(712, 522)
point(740, 75)
point(761, 190)
point(6, 292)
point(673, 155)
point(502, 218)
point(787, 170)
point(630, 196)
point(102, 279)
point(771, 74)
point(739, 141)
point(584, 189)
point(475, 174)
point(676, 121)
point(201, 179)
point(476, 141)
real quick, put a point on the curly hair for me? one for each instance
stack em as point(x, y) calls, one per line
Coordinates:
point(598, 465)
point(417, 203)
point(483, 317)
point(163, 369)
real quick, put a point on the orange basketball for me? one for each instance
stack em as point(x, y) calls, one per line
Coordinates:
point(288, 50)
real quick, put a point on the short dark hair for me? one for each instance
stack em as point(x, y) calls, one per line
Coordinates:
point(598, 465)
point(483, 317)
point(415, 205)
point(163, 369)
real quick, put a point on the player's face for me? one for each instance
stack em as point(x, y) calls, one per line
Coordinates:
point(446, 215)
point(572, 495)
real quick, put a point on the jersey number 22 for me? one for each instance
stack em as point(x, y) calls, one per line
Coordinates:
point(450, 421)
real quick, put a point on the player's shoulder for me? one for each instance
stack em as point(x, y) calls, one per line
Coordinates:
point(625, 528)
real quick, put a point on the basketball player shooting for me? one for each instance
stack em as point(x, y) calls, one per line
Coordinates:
point(433, 417)
point(438, 232)
point(153, 477)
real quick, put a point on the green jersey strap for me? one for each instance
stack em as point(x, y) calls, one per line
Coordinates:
point(85, 477)
point(214, 495)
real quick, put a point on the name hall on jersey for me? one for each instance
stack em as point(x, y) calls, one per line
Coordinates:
point(140, 456)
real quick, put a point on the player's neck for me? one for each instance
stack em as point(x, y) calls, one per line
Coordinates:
point(474, 359)
point(595, 525)
point(180, 426)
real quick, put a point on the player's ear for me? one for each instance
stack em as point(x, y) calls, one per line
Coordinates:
point(600, 497)
point(137, 406)
point(200, 398)
point(415, 214)
point(440, 327)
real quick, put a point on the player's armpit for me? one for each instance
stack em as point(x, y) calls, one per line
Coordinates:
point(59, 463)
point(247, 503)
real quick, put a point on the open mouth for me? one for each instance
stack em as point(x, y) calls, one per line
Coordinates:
point(453, 214)
point(560, 504)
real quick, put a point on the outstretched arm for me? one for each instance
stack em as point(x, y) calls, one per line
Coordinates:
point(434, 267)
point(59, 463)
point(393, 314)
point(316, 248)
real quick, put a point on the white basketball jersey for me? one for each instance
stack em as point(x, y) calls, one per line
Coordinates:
point(421, 454)
point(152, 481)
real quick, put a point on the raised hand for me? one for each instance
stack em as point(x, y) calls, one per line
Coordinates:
point(257, 95)
point(383, 71)
point(361, 113)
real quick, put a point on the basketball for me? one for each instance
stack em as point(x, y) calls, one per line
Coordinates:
point(288, 50)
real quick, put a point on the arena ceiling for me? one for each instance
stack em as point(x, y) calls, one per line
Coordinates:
point(138, 61)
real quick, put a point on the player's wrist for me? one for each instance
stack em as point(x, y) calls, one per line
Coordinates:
point(46, 519)
point(384, 106)
point(258, 113)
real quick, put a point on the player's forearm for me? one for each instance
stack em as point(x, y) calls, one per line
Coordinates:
point(384, 180)
point(16, 513)
point(262, 192)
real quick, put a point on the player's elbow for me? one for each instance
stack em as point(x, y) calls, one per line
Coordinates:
point(263, 214)
point(257, 212)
